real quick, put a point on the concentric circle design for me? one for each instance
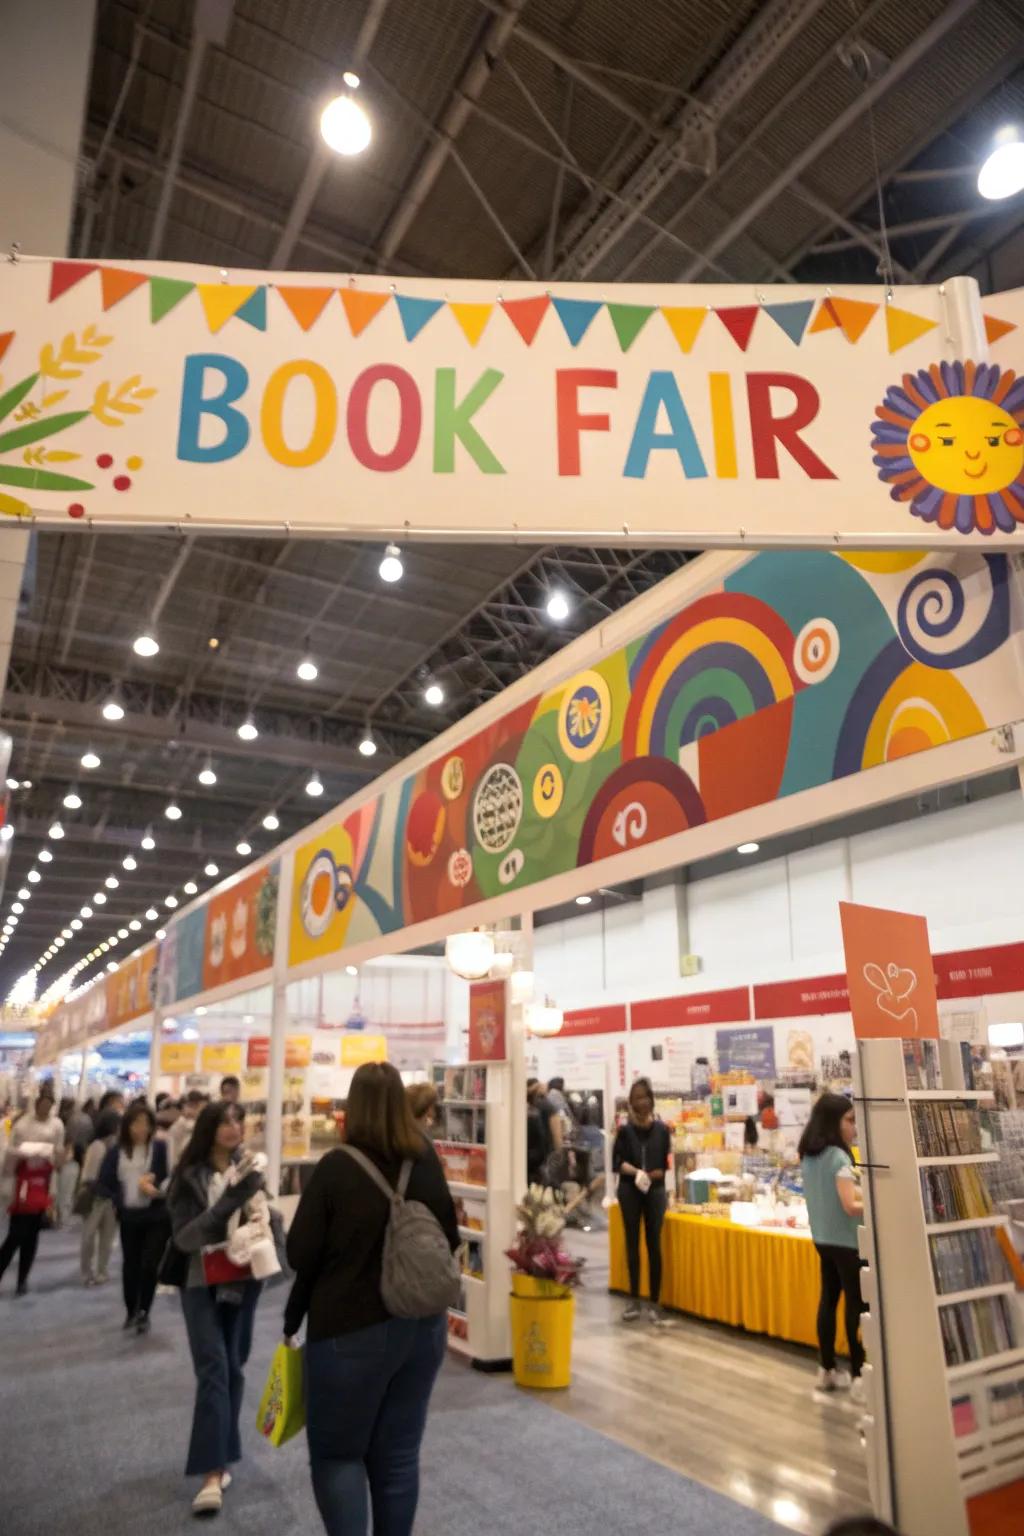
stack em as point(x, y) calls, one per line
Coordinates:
point(816, 650)
point(548, 790)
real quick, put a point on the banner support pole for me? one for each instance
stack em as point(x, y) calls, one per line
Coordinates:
point(965, 323)
point(278, 1027)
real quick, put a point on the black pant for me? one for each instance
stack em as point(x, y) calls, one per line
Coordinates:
point(22, 1239)
point(649, 1209)
point(143, 1240)
point(840, 1276)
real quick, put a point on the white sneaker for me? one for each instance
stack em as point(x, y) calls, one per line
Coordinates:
point(831, 1381)
point(208, 1501)
point(657, 1318)
point(858, 1391)
point(632, 1312)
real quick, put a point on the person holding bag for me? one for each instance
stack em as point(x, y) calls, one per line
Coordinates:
point(208, 1200)
point(36, 1149)
point(133, 1180)
point(641, 1156)
point(372, 1244)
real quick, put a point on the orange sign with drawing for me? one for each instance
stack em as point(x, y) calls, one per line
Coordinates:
point(890, 973)
point(487, 1032)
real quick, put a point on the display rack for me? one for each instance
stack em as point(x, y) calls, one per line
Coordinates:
point(478, 1164)
point(935, 1431)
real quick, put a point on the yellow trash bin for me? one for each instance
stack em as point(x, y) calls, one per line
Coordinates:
point(542, 1317)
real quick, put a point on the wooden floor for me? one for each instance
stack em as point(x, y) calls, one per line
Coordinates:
point(731, 1410)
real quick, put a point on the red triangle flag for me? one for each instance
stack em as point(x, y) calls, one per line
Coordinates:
point(116, 284)
point(65, 274)
point(739, 322)
point(6, 337)
point(527, 314)
point(995, 329)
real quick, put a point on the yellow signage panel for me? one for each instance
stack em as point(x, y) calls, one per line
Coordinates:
point(222, 1058)
point(358, 1049)
point(178, 1056)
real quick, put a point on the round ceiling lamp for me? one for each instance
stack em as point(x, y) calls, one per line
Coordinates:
point(391, 567)
point(543, 1020)
point(344, 126)
point(470, 955)
point(1002, 173)
point(145, 645)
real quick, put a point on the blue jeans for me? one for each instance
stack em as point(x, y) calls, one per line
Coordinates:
point(366, 1409)
point(220, 1338)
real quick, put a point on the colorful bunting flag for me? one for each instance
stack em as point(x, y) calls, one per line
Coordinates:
point(576, 315)
point(527, 314)
point(739, 321)
point(116, 284)
point(825, 320)
point(361, 307)
point(254, 310)
point(853, 316)
point(222, 300)
point(684, 322)
point(791, 317)
point(629, 320)
point(164, 294)
point(995, 329)
point(472, 319)
point(416, 313)
point(65, 274)
point(6, 337)
point(306, 304)
point(902, 327)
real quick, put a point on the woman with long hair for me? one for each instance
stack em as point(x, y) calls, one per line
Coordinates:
point(835, 1210)
point(213, 1180)
point(641, 1156)
point(369, 1375)
point(133, 1178)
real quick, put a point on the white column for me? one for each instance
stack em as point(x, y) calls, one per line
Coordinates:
point(278, 1026)
point(154, 1052)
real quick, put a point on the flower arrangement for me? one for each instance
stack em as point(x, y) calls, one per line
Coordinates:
point(538, 1249)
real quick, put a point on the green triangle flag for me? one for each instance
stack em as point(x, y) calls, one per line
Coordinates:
point(164, 293)
point(629, 320)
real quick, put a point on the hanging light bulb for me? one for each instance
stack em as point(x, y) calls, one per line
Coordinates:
point(145, 645)
point(56, 831)
point(129, 862)
point(206, 774)
point(148, 841)
point(111, 882)
point(433, 694)
point(367, 745)
point(73, 800)
point(171, 901)
point(543, 1019)
point(45, 856)
point(344, 126)
point(247, 730)
point(33, 877)
point(307, 670)
point(1002, 174)
point(190, 888)
point(314, 785)
point(243, 848)
point(471, 954)
point(113, 709)
point(173, 811)
point(99, 899)
point(134, 925)
point(210, 870)
point(271, 822)
point(391, 567)
point(558, 607)
point(151, 914)
point(90, 760)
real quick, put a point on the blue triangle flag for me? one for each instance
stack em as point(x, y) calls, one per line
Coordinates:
point(254, 310)
point(791, 318)
point(576, 315)
point(414, 313)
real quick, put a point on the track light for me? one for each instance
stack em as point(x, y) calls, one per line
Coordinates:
point(391, 567)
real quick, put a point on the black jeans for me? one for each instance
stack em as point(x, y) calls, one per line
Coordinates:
point(143, 1240)
point(840, 1276)
point(650, 1210)
point(22, 1239)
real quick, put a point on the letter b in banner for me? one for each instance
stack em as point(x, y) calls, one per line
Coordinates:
point(195, 404)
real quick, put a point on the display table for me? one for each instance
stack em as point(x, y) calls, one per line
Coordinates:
point(765, 1279)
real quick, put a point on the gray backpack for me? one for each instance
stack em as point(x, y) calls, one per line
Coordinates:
point(420, 1275)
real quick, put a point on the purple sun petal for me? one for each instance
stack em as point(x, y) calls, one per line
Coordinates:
point(1014, 402)
point(964, 514)
point(1005, 521)
point(901, 401)
point(927, 506)
point(927, 387)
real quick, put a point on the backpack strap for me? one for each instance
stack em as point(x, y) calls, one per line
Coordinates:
point(404, 1177)
point(373, 1172)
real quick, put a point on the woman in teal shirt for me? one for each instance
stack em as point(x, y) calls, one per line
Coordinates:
point(835, 1210)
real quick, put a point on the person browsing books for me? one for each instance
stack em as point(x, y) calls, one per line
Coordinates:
point(641, 1156)
point(835, 1210)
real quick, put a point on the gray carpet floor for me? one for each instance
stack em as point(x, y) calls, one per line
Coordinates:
point(94, 1425)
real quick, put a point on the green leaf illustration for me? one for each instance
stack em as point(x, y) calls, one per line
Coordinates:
point(41, 479)
point(19, 436)
point(15, 395)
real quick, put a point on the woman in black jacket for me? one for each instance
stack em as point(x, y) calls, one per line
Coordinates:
point(641, 1156)
point(369, 1376)
point(133, 1177)
point(212, 1181)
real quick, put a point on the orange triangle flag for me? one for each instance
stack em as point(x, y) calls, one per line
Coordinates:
point(306, 304)
point(222, 300)
point(684, 323)
point(853, 316)
point(116, 284)
point(527, 314)
point(995, 329)
point(902, 326)
point(361, 307)
point(6, 337)
point(825, 320)
point(472, 319)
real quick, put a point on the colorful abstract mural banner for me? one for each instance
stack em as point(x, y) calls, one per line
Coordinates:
point(800, 669)
point(158, 394)
point(228, 937)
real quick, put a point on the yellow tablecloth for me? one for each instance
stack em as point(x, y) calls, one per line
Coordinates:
point(762, 1279)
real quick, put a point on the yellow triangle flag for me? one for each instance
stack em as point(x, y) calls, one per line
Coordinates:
point(684, 323)
point(472, 319)
point(222, 300)
point(902, 326)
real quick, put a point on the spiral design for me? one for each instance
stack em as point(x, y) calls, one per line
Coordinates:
point(947, 622)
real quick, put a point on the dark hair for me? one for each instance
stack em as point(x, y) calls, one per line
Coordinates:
point(162, 1099)
point(194, 1096)
point(109, 1097)
point(557, 1083)
point(823, 1129)
point(229, 1082)
point(644, 1083)
point(66, 1110)
point(377, 1114)
point(135, 1112)
point(422, 1099)
point(210, 1118)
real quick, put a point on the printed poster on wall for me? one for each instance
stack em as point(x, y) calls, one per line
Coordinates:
point(747, 1050)
point(224, 1058)
point(488, 1035)
point(240, 928)
point(358, 1049)
point(890, 972)
point(178, 1056)
point(633, 413)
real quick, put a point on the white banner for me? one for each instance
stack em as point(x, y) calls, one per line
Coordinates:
point(169, 395)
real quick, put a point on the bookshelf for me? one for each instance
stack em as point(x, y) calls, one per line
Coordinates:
point(945, 1383)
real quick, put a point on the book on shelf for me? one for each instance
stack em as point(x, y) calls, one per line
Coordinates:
point(1006, 1401)
point(965, 1420)
point(972, 1330)
point(962, 1261)
point(921, 1063)
point(955, 1194)
point(946, 1130)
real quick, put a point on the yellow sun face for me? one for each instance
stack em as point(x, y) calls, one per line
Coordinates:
point(967, 446)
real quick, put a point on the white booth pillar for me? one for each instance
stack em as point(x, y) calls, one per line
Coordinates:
point(278, 1027)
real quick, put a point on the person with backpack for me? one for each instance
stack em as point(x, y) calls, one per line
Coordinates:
point(372, 1245)
point(36, 1149)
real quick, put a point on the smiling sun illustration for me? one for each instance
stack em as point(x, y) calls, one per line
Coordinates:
point(950, 441)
